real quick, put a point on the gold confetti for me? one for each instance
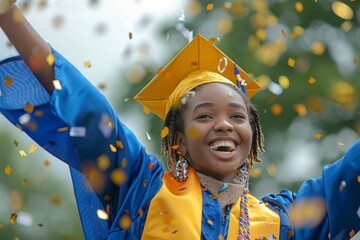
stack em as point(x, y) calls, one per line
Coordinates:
point(102, 214)
point(1, 225)
point(32, 148)
point(8, 81)
point(55, 200)
point(12, 218)
point(123, 163)
point(358, 178)
point(113, 148)
point(152, 165)
point(210, 7)
point(291, 62)
point(175, 147)
point(130, 35)
point(300, 109)
point(346, 26)
point(141, 212)
point(340, 144)
point(7, 170)
point(352, 233)
point(220, 237)
point(276, 109)
point(299, 7)
point(29, 108)
point(25, 183)
point(312, 80)
point(210, 222)
point(63, 129)
point(290, 234)
point(22, 153)
point(118, 176)
point(103, 162)
point(342, 10)
point(164, 132)
point(87, 64)
point(317, 48)
point(125, 222)
point(284, 81)
point(271, 169)
point(50, 59)
point(102, 86)
point(57, 84)
point(39, 113)
point(119, 144)
point(255, 172)
point(317, 135)
point(46, 163)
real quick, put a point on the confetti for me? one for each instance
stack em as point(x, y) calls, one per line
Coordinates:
point(210, 7)
point(358, 178)
point(130, 35)
point(119, 144)
point(123, 163)
point(283, 33)
point(39, 113)
point(8, 81)
point(300, 109)
point(125, 222)
point(29, 108)
point(55, 200)
point(103, 162)
point(175, 147)
point(87, 64)
point(299, 7)
point(317, 48)
point(25, 183)
point(210, 222)
point(164, 132)
point(102, 86)
point(32, 148)
point(342, 10)
point(276, 109)
point(317, 135)
point(312, 80)
point(16, 143)
point(106, 125)
point(152, 165)
point(102, 214)
point(340, 144)
point(291, 62)
point(290, 234)
point(271, 169)
point(77, 132)
point(352, 233)
point(22, 153)
point(57, 84)
point(148, 136)
point(46, 163)
point(255, 172)
point(25, 118)
point(50, 59)
point(141, 212)
point(12, 218)
point(118, 176)
point(113, 148)
point(40, 225)
point(145, 183)
point(284, 81)
point(63, 129)
point(342, 186)
point(7, 170)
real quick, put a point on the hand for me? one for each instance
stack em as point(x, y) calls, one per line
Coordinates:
point(5, 5)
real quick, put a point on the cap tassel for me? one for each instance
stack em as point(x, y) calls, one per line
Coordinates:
point(240, 82)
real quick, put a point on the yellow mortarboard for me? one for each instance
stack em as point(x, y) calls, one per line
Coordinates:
point(199, 62)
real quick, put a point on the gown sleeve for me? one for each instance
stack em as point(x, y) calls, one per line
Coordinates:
point(331, 202)
point(77, 125)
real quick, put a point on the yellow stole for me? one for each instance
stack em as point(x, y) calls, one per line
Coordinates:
point(175, 212)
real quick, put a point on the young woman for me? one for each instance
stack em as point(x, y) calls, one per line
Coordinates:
point(211, 136)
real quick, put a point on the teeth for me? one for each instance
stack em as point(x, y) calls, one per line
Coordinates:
point(229, 145)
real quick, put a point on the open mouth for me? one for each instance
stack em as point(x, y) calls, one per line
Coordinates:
point(223, 146)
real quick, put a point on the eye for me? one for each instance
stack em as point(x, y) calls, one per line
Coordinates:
point(204, 116)
point(238, 116)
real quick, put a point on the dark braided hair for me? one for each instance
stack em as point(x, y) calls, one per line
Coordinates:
point(174, 123)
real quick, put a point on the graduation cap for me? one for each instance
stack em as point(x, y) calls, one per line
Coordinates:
point(198, 63)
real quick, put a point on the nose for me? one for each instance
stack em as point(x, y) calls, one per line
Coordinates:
point(223, 125)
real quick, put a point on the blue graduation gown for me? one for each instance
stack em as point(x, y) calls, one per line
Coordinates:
point(80, 104)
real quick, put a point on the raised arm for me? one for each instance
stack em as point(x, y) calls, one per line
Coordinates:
point(30, 45)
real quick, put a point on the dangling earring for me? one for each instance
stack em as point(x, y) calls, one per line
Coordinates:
point(181, 169)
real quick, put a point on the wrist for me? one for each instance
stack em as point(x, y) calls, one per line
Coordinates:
point(5, 5)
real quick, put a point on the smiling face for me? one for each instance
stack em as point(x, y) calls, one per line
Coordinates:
point(216, 131)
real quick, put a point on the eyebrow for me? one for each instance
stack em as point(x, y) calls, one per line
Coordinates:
point(209, 104)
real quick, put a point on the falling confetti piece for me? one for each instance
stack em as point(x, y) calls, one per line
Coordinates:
point(39, 113)
point(87, 64)
point(102, 214)
point(175, 147)
point(299, 7)
point(16, 143)
point(342, 186)
point(276, 109)
point(255, 172)
point(102, 86)
point(32, 148)
point(300, 109)
point(40, 225)
point(291, 62)
point(25, 183)
point(210, 7)
point(141, 212)
point(57, 84)
point(103, 162)
point(152, 165)
point(118, 176)
point(340, 144)
point(352, 233)
point(46, 163)
point(123, 163)
point(50, 59)
point(55, 200)
point(164, 132)
point(312, 80)
point(272, 169)
point(63, 129)
point(22, 153)
point(130, 35)
point(283, 33)
point(342, 10)
point(12, 218)
point(7, 170)
point(119, 144)
point(113, 148)
point(358, 178)
point(148, 136)
point(317, 135)
point(220, 237)
point(318, 48)
point(284, 81)
point(29, 108)
point(126, 100)
point(8, 81)
point(210, 222)
point(125, 222)
point(77, 132)
point(290, 234)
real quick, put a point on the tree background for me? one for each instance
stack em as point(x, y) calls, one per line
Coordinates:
point(305, 54)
